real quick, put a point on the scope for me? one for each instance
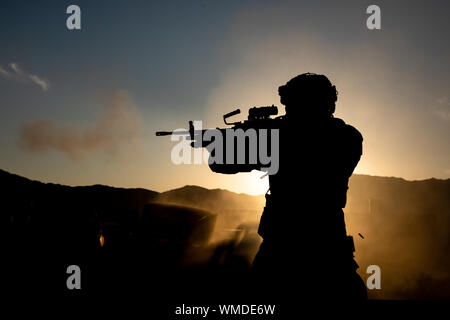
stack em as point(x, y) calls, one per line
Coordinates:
point(259, 113)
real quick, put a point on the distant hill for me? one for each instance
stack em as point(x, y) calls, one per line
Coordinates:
point(212, 198)
point(398, 195)
point(20, 193)
point(365, 193)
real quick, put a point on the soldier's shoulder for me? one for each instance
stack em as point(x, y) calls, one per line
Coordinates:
point(349, 130)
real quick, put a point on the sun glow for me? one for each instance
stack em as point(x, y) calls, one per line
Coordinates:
point(256, 182)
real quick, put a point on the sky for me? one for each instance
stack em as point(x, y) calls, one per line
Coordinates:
point(81, 107)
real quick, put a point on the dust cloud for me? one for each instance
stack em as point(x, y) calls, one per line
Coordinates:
point(117, 125)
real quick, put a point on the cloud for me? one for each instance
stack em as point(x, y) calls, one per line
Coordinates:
point(3, 72)
point(15, 72)
point(116, 126)
point(16, 68)
point(40, 82)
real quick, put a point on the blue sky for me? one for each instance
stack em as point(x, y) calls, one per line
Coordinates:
point(163, 63)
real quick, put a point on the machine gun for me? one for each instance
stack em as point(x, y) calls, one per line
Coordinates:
point(258, 118)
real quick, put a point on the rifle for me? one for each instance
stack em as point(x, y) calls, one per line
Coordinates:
point(258, 117)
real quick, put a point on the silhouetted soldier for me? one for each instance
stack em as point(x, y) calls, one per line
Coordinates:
point(305, 245)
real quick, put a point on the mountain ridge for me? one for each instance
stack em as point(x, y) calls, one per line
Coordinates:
point(393, 178)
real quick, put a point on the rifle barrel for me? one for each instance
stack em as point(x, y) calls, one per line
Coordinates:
point(169, 133)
